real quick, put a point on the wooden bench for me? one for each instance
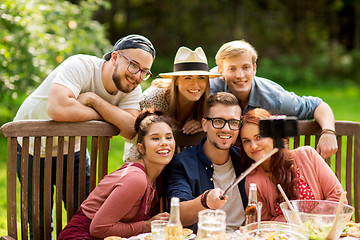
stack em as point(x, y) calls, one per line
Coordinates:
point(99, 132)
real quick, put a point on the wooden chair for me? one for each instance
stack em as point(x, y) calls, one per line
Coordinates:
point(346, 162)
point(100, 133)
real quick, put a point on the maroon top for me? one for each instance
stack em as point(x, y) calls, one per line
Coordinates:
point(118, 206)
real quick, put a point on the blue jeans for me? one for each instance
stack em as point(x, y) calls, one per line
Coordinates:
point(53, 181)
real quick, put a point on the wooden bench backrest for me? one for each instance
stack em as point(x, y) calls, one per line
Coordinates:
point(99, 132)
point(346, 162)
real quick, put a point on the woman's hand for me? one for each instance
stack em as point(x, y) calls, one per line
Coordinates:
point(161, 216)
point(192, 127)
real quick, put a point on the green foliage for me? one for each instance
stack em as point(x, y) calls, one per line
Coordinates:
point(299, 42)
point(37, 35)
point(326, 65)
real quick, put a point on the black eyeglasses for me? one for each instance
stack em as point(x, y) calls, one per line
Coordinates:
point(219, 123)
point(134, 68)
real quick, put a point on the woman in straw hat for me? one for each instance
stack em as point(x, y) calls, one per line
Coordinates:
point(181, 93)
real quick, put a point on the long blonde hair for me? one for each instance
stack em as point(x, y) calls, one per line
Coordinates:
point(171, 95)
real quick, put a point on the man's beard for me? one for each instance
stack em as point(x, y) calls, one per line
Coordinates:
point(118, 83)
point(220, 148)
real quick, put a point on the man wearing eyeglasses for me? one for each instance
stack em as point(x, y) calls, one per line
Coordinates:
point(198, 175)
point(86, 88)
point(89, 88)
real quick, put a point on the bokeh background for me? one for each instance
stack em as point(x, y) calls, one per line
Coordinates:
point(311, 47)
point(300, 42)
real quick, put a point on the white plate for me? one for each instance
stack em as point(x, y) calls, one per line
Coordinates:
point(192, 236)
point(143, 235)
point(138, 237)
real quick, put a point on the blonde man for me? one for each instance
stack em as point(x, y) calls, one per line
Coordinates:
point(236, 62)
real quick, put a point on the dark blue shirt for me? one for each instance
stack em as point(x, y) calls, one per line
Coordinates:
point(190, 172)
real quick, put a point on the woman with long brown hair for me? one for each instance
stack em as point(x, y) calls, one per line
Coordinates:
point(301, 172)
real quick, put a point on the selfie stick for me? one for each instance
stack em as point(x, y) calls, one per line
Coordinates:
point(276, 127)
point(247, 171)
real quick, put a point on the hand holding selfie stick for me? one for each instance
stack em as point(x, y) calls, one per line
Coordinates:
point(276, 127)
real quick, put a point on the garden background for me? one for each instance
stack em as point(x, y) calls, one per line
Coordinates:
point(311, 47)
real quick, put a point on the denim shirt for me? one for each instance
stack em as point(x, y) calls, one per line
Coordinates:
point(271, 96)
point(190, 172)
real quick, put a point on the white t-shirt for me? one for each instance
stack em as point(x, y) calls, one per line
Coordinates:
point(224, 176)
point(79, 73)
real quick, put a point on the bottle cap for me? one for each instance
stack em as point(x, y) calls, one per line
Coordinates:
point(253, 186)
point(175, 200)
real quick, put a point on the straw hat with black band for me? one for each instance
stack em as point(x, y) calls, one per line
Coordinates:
point(188, 62)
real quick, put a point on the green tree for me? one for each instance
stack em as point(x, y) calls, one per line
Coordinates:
point(37, 35)
point(299, 41)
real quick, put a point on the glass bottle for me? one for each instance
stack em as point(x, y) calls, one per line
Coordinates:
point(173, 230)
point(251, 209)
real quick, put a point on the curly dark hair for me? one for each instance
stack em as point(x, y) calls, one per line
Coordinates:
point(147, 117)
point(282, 163)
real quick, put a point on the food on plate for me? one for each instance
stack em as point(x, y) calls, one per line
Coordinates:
point(113, 238)
point(351, 229)
point(187, 232)
point(273, 236)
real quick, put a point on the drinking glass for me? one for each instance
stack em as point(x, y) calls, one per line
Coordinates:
point(158, 229)
point(212, 225)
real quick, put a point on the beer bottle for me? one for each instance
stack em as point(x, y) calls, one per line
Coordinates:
point(251, 209)
point(173, 230)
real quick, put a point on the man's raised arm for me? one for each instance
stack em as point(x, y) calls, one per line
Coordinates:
point(324, 116)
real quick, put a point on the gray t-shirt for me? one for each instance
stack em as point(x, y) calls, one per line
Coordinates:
point(224, 176)
point(79, 73)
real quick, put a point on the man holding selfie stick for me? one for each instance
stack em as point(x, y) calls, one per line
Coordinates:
point(211, 174)
point(198, 175)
